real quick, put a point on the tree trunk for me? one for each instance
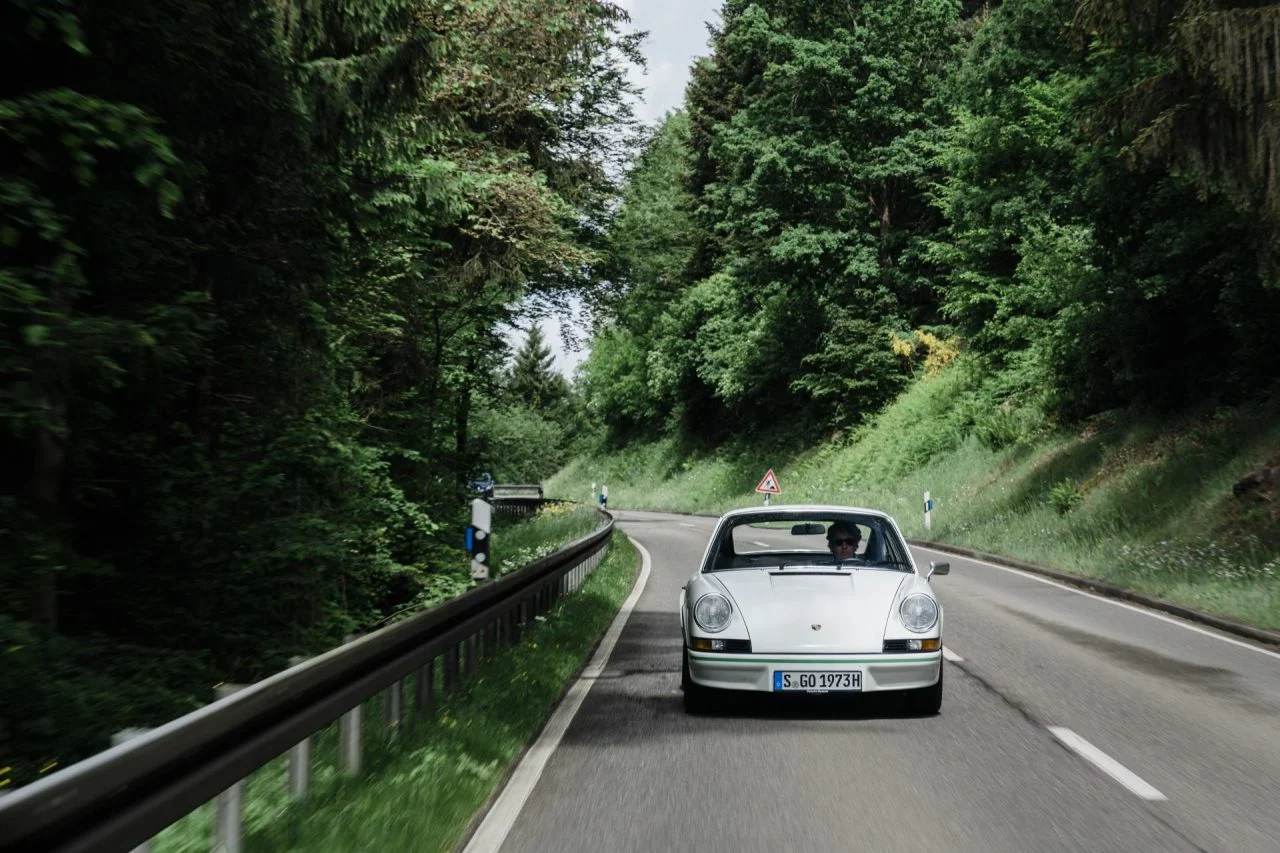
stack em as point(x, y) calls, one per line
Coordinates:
point(48, 467)
point(463, 416)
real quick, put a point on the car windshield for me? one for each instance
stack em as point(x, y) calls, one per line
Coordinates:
point(845, 541)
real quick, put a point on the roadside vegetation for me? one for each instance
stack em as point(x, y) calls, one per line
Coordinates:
point(1020, 254)
point(1164, 506)
point(422, 782)
point(257, 266)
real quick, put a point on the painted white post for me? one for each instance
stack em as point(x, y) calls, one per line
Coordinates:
point(481, 524)
point(229, 805)
point(117, 739)
point(928, 512)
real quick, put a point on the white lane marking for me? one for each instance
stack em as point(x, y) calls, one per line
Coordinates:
point(687, 524)
point(1153, 614)
point(951, 656)
point(497, 823)
point(761, 544)
point(1106, 763)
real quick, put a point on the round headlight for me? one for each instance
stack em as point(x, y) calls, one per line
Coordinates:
point(713, 612)
point(919, 613)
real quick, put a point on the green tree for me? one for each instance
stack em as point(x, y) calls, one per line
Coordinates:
point(1202, 83)
point(533, 378)
point(254, 259)
point(812, 128)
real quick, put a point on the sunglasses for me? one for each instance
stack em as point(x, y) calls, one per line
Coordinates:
point(844, 541)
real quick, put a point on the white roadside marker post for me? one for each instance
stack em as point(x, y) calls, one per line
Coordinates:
point(478, 537)
point(928, 512)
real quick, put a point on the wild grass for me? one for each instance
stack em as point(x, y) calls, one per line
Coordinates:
point(1133, 498)
point(422, 781)
point(553, 526)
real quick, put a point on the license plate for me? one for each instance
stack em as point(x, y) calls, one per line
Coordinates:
point(816, 682)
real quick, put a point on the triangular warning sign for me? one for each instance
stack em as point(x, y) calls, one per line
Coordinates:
point(769, 485)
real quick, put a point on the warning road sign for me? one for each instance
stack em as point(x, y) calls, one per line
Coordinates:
point(769, 485)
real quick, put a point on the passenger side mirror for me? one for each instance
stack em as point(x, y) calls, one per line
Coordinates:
point(938, 569)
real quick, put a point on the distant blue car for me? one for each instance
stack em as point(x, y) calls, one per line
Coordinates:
point(481, 483)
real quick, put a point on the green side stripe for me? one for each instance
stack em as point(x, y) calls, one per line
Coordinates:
point(923, 657)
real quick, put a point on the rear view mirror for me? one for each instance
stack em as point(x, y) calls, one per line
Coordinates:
point(938, 569)
point(808, 528)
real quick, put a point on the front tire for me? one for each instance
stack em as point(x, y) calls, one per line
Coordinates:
point(926, 701)
point(697, 699)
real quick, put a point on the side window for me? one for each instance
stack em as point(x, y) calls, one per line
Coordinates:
point(893, 549)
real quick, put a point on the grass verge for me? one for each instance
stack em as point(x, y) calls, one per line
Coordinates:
point(1135, 499)
point(423, 781)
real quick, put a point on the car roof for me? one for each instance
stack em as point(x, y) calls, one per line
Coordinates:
point(804, 509)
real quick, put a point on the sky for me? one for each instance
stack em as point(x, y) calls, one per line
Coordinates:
point(677, 34)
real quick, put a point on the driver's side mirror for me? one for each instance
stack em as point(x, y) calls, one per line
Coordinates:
point(938, 569)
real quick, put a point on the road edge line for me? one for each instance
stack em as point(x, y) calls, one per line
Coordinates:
point(501, 817)
point(1106, 591)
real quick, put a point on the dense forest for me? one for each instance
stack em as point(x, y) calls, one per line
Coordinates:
point(255, 263)
point(257, 259)
point(1081, 197)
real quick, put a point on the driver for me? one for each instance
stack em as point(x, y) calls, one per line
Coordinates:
point(842, 539)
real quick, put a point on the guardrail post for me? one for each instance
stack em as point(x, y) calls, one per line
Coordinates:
point(299, 756)
point(229, 806)
point(349, 735)
point(116, 739)
point(472, 646)
point(426, 688)
point(392, 701)
point(451, 668)
point(491, 638)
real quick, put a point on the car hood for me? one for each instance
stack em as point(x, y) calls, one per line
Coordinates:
point(798, 612)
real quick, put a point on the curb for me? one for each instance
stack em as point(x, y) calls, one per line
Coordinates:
point(1230, 626)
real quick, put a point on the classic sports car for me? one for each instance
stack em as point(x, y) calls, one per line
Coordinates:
point(811, 599)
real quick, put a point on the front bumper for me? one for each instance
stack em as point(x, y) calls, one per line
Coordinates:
point(880, 672)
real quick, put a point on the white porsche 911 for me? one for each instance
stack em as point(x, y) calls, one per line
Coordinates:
point(811, 599)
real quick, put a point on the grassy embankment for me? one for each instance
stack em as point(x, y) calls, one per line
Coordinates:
point(422, 782)
point(1133, 499)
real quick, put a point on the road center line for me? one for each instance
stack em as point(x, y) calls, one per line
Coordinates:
point(1153, 614)
point(1106, 763)
point(951, 656)
point(497, 823)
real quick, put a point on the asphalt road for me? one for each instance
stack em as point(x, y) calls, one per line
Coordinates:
point(1188, 719)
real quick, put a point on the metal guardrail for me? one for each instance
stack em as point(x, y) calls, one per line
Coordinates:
point(120, 798)
point(500, 491)
point(516, 500)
